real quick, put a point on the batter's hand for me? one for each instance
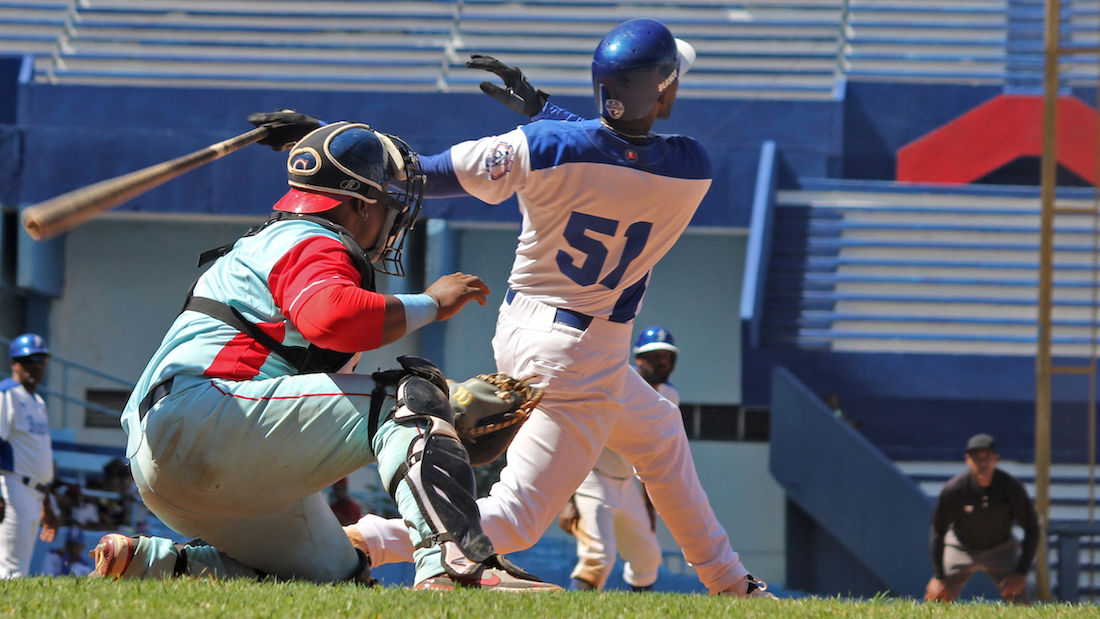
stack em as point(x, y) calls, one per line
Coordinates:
point(936, 591)
point(452, 292)
point(286, 127)
point(519, 94)
point(569, 517)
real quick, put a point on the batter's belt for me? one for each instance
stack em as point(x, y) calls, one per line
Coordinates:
point(563, 316)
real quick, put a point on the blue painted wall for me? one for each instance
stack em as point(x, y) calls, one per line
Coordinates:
point(880, 118)
point(77, 135)
point(856, 511)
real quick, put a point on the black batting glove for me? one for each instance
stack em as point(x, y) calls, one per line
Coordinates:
point(519, 94)
point(286, 127)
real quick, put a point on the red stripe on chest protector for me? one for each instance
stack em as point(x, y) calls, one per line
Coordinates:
point(242, 357)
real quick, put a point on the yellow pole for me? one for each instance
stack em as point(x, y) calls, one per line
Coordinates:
point(1048, 178)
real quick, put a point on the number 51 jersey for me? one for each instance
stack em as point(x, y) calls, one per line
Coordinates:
point(598, 211)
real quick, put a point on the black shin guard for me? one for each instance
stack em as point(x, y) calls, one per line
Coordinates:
point(437, 470)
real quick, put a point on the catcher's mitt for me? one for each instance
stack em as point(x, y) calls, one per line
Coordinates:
point(489, 409)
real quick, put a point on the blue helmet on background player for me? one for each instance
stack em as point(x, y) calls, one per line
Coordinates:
point(26, 345)
point(655, 338)
point(350, 160)
point(637, 61)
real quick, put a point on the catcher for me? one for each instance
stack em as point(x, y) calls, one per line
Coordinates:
point(248, 410)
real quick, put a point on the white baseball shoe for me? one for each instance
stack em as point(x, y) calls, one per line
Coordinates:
point(749, 587)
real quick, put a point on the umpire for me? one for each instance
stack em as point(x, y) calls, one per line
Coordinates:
point(972, 528)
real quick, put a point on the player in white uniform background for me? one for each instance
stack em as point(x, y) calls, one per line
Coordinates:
point(602, 201)
point(26, 458)
point(247, 412)
point(610, 512)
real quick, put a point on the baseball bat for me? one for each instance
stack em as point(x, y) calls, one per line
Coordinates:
point(48, 219)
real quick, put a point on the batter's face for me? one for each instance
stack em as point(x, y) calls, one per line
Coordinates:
point(29, 371)
point(981, 463)
point(656, 366)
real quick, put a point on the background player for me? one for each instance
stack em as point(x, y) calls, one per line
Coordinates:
point(243, 415)
point(26, 457)
point(602, 201)
point(610, 512)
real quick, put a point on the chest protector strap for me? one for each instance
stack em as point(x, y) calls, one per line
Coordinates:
point(306, 360)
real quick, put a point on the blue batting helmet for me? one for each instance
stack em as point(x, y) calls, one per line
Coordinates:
point(655, 338)
point(634, 64)
point(26, 345)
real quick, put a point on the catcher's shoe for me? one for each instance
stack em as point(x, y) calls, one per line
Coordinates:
point(749, 587)
point(112, 555)
point(492, 578)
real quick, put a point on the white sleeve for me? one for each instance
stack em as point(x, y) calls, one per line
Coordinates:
point(493, 168)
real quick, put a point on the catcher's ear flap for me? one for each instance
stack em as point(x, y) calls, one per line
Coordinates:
point(488, 447)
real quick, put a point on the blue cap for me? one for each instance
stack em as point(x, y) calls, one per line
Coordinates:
point(26, 345)
point(655, 338)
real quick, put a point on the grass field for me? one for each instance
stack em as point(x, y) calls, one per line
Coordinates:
point(72, 597)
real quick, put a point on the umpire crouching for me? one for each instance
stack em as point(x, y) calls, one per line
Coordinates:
point(972, 528)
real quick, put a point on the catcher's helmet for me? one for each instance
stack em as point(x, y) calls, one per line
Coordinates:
point(655, 338)
point(26, 345)
point(634, 64)
point(345, 161)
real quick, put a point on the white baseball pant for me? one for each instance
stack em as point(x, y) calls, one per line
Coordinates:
point(593, 397)
point(19, 530)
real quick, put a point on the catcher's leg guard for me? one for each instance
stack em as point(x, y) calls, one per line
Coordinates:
point(437, 472)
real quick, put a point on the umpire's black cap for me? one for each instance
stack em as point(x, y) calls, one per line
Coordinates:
point(981, 441)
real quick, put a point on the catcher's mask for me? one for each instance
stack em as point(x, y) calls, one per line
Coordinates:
point(345, 161)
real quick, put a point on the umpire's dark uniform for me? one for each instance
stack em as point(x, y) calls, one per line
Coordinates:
point(972, 530)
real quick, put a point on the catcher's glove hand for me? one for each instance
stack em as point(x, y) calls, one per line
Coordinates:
point(518, 94)
point(285, 127)
point(489, 409)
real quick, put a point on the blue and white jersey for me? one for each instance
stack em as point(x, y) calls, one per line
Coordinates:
point(24, 433)
point(598, 211)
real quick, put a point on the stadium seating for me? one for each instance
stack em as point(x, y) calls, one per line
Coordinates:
point(865, 266)
point(786, 49)
point(778, 49)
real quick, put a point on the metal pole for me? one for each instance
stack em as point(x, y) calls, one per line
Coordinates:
point(1046, 268)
